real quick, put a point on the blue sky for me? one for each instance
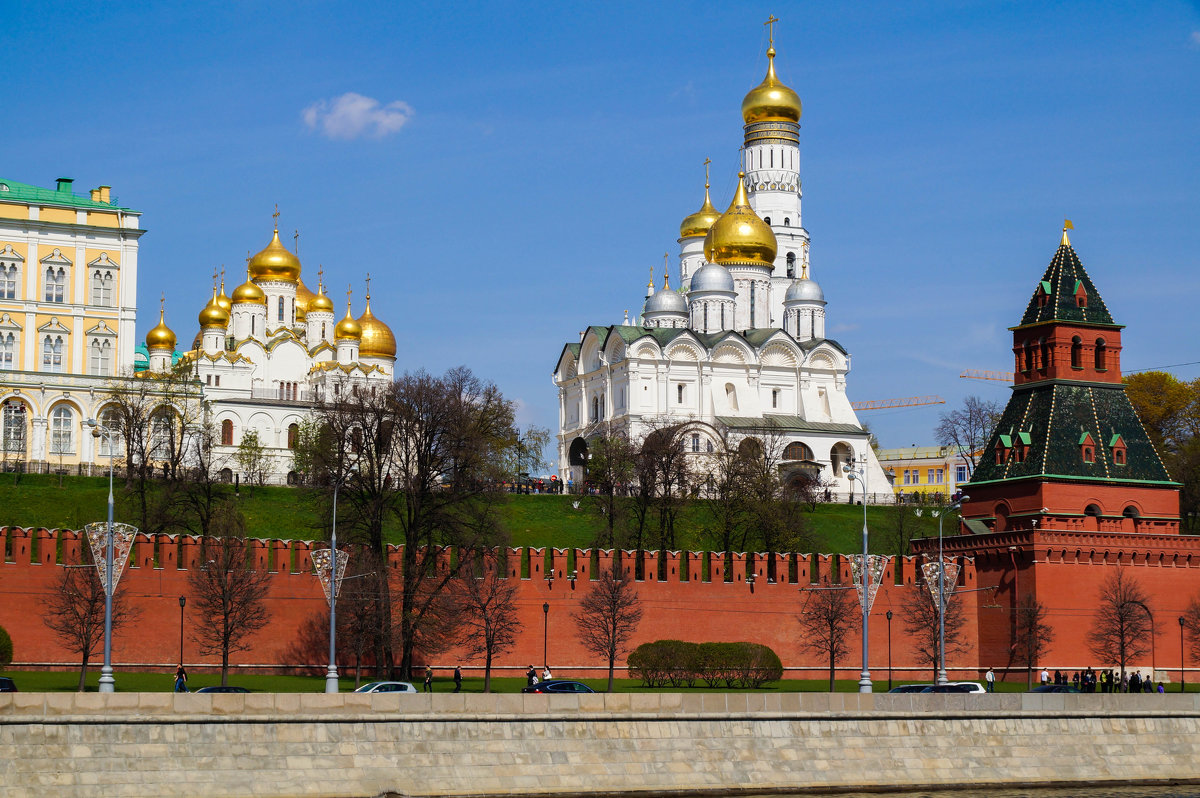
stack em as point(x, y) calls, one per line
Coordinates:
point(508, 173)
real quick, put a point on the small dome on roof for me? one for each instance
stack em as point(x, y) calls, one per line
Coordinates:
point(804, 290)
point(711, 277)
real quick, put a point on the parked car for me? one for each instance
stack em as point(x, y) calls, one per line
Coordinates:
point(558, 686)
point(222, 689)
point(387, 687)
point(910, 688)
point(7, 685)
point(1056, 688)
point(955, 687)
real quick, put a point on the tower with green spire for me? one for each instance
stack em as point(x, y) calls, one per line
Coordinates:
point(1069, 452)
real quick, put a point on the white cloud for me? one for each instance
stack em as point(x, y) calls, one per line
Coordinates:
point(353, 116)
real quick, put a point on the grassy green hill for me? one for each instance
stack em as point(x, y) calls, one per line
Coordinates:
point(291, 513)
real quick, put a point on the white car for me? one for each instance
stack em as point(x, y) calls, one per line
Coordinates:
point(387, 687)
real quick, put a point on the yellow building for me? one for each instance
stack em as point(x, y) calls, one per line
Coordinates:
point(68, 309)
point(925, 471)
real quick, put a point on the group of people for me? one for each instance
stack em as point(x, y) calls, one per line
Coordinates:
point(1109, 681)
point(531, 675)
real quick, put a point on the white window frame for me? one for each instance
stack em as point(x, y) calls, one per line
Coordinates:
point(62, 431)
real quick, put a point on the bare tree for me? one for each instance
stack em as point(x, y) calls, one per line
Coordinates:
point(201, 488)
point(229, 592)
point(1191, 625)
point(610, 472)
point(921, 622)
point(487, 603)
point(607, 618)
point(1033, 635)
point(664, 471)
point(75, 612)
point(1122, 627)
point(969, 427)
point(829, 616)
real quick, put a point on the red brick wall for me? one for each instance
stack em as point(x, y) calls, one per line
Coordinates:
point(695, 610)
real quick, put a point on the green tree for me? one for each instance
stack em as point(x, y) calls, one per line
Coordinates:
point(6, 648)
point(252, 458)
point(611, 467)
point(1170, 411)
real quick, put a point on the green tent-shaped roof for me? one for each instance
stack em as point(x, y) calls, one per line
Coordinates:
point(1064, 274)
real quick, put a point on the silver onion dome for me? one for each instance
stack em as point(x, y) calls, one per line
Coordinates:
point(804, 290)
point(711, 277)
point(666, 300)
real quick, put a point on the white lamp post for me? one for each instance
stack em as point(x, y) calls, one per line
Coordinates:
point(107, 685)
point(942, 678)
point(864, 683)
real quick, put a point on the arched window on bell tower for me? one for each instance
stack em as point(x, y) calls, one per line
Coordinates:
point(1076, 352)
point(1101, 351)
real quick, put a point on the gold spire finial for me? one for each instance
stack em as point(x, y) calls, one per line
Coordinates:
point(320, 277)
point(368, 287)
point(650, 285)
point(804, 269)
point(214, 279)
point(222, 276)
point(275, 216)
point(770, 25)
point(1066, 242)
point(707, 161)
point(666, 272)
point(296, 237)
point(162, 305)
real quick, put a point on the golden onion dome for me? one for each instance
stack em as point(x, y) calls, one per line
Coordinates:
point(377, 337)
point(223, 300)
point(771, 100)
point(275, 263)
point(697, 224)
point(249, 294)
point(303, 297)
point(740, 236)
point(348, 327)
point(320, 302)
point(160, 336)
point(213, 314)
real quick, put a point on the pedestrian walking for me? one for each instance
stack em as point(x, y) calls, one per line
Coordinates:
point(990, 678)
point(530, 677)
point(457, 678)
point(428, 679)
point(546, 674)
point(180, 680)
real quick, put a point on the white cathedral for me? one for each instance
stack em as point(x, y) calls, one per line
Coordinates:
point(266, 353)
point(740, 348)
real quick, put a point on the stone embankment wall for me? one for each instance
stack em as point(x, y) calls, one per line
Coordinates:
point(345, 746)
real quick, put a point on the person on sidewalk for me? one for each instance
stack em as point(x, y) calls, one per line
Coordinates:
point(428, 678)
point(990, 678)
point(180, 680)
point(457, 678)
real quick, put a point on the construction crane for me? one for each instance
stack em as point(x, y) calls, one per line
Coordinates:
point(998, 376)
point(911, 401)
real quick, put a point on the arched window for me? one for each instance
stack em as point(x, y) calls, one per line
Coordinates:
point(52, 353)
point(280, 304)
point(1119, 456)
point(1089, 454)
point(1100, 353)
point(1045, 353)
point(100, 357)
point(695, 442)
point(62, 430)
point(787, 222)
point(13, 419)
point(797, 451)
point(1076, 352)
point(1092, 510)
point(102, 288)
point(791, 264)
point(731, 396)
point(56, 284)
point(8, 351)
point(595, 408)
point(110, 445)
point(1028, 357)
point(8, 281)
point(162, 443)
point(678, 394)
point(774, 398)
point(767, 219)
point(227, 433)
point(293, 431)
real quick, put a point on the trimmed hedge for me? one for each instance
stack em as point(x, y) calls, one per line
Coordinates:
point(6, 648)
point(676, 663)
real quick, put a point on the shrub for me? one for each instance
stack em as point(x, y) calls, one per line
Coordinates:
point(680, 664)
point(6, 648)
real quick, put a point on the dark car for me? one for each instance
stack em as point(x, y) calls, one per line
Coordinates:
point(1056, 688)
point(220, 689)
point(910, 688)
point(7, 685)
point(558, 686)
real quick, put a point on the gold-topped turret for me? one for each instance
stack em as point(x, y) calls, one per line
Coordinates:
point(697, 224)
point(275, 262)
point(320, 302)
point(160, 335)
point(213, 315)
point(740, 235)
point(248, 293)
point(771, 100)
point(222, 299)
point(377, 338)
point(1066, 242)
point(348, 327)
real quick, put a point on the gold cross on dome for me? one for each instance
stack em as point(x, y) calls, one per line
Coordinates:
point(770, 24)
point(296, 236)
point(320, 276)
point(368, 285)
point(707, 161)
point(275, 216)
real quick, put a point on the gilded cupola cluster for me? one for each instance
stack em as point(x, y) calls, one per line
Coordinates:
point(275, 262)
point(160, 335)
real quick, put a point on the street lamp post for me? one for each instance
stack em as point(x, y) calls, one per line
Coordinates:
point(941, 674)
point(107, 685)
point(888, 615)
point(331, 673)
point(545, 634)
point(182, 602)
point(1182, 662)
point(1153, 633)
point(864, 682)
